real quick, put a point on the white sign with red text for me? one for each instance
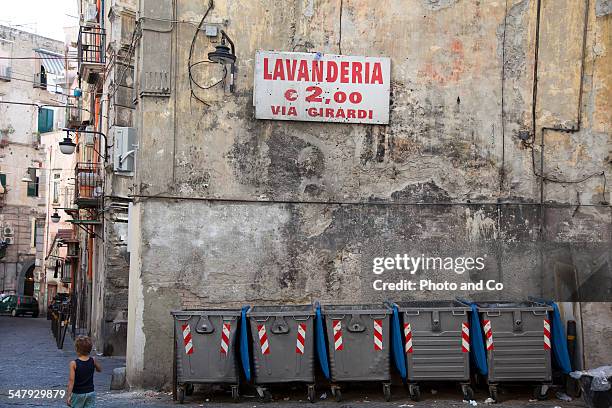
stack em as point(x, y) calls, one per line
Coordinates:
point(321, 87)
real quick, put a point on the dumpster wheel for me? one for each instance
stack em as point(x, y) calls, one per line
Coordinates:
point(264, 394)
point(541, 392)
point(235, 393)
point(493, 392)
point(335, 390)
point(468, 392)
point(311, 393)
point(188, 389)
point(387, 391)
point(180, 394)
point(415, 392)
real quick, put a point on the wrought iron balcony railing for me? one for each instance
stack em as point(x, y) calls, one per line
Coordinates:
point(89, 185)
point(73, 112)
point(91, 48)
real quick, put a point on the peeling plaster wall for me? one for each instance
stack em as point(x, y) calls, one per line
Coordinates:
point(429, 182)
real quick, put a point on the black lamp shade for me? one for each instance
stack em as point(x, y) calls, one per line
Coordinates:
point(55, 217)
point(222, 55)
point(67, 146)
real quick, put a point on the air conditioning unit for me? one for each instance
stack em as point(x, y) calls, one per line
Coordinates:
point(8, 231)
point(124, 149)
point(9, 240)
point(5, 73)
point(90, 12)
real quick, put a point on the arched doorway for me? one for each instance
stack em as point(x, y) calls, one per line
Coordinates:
point(28, 283)
point(25, 279)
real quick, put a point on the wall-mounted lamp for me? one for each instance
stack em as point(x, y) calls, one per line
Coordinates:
point(55, 218)
point(67, 146)
point(225, 55)
point(27, 178)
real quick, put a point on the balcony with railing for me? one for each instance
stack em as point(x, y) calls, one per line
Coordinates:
point(73, 112)
point(91, 48)
point(89, 185)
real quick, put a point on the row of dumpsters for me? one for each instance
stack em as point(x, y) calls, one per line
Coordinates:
point(454, 341)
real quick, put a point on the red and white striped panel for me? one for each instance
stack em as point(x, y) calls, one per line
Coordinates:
point(465, 337)
point(488, 330)
point(301, 338)
point(546, 334)
point(337, 325)
point(187, 342)
point(225, 336)
point(408, 337)
point(263, 339)
point(378, 335)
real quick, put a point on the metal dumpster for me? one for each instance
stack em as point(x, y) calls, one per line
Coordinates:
point(283, 346)
point(518, 344)
point(436, 343)
point(205, 351)
point(358, 344)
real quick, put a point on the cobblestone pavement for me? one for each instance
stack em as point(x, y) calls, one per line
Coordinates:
point(30, 360)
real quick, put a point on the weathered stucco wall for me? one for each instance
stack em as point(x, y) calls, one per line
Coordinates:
point(314, 202)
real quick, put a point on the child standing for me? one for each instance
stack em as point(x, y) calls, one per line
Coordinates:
point(81, 392)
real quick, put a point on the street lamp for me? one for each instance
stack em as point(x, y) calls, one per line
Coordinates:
point(27, 178)
point(67, 146)
point(225, 55)
point(55, 218)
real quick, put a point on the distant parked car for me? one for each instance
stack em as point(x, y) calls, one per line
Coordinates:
point(18, 305)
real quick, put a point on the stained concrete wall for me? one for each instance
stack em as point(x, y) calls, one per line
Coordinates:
point(310, 204)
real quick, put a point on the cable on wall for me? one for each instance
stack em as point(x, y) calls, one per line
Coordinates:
point(190, 64)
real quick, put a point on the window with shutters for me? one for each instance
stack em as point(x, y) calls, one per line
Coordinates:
point(33, 186)
point(45, 120)
point(56, 188)
point(2, 185)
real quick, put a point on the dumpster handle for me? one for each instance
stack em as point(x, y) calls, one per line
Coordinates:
point(539, 313)
point(412, 312)
point(301, 318)
point(494, 313)
point(204, 325)
point(458, 312)
point(355, 325)
point(182, 318)
point(279, 326)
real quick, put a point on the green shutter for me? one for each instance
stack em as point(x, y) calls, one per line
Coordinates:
point(3, 180)
point(45, 120)
point(33, 187)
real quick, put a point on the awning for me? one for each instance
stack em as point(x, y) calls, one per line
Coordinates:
point(53, 62)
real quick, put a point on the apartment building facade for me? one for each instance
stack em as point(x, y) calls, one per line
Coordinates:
point(32, 85)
